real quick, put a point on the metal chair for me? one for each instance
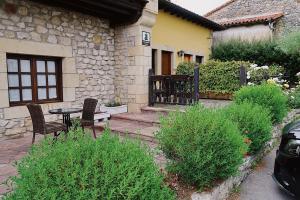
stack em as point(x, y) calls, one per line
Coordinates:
point(39, 124)
point(88, 114)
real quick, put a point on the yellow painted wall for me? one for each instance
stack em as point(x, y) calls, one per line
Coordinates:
point(181, 34)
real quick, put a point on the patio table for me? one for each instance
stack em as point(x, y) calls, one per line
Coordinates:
point(66, 112)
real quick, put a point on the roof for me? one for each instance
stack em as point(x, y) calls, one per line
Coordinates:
point(179, 11)
point(251, 19)
point(117, 11)
point(219, 8)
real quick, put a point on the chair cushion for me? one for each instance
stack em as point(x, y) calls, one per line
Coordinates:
point(55, 127)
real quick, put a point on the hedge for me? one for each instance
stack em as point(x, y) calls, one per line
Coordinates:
point(216, 76)
point(260, 52)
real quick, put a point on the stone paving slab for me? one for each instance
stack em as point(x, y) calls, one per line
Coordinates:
point(146, 117)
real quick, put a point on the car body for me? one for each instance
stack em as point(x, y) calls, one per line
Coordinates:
point(287, 162)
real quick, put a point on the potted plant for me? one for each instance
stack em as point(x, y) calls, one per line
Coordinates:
point(114, 107)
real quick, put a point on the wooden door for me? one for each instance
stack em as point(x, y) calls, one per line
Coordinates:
point(166, 62)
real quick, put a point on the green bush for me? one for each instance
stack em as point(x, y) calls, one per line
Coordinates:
point(221, 76)
point(259, 52)
point(253, 121)
point(186, 68)
point(216, 76)
point(269, 96)
point(294, 98)
point(202, 145)
point(259, 74)
point(81, 168)
point(290, 44)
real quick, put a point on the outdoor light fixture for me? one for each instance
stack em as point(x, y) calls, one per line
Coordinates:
point(180, 53)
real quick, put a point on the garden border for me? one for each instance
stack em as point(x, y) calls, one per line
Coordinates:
point(223, 190)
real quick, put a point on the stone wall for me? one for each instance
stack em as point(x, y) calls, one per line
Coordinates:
point(291, 9)
point(133, 60)
point(86, 45)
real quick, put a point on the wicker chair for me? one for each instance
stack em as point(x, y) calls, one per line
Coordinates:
point(88, 114)
point(39, 124)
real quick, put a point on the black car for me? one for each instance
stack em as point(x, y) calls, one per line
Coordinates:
point(287, 163)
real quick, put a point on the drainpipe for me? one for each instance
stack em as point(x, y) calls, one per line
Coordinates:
point(272, 28)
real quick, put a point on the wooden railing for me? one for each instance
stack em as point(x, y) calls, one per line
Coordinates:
point(173, 89)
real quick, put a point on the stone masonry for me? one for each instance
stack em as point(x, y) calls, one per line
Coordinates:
point(91, 43)
point(98, 61)
point(238, 8)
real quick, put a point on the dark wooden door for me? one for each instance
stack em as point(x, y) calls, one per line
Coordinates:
point(166, 63)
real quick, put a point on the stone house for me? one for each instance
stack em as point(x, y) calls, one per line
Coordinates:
point(59, 52)
point(256, 19)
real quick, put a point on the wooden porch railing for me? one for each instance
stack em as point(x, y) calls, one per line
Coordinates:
point(173, 89)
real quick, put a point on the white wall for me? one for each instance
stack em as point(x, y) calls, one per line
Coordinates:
point(254, 32)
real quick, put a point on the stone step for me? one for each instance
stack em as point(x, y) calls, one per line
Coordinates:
point(146, 118)
point(133, 129)
point(148, 109)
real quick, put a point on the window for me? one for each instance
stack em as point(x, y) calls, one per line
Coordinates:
point(33, 79)
point(199, 59)
point(188, 58)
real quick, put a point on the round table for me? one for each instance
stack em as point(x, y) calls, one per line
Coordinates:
point(66, 112)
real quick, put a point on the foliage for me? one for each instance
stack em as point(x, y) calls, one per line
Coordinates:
point(253, 121)
point(221, 76)
point(186, 68)
point(294, 98)
point(269, 96)
point(258, 74)
point(113, 104)
point(216, 76)
point(81, 168)
point(290, 44)
point(203, 146)
point(259, 52)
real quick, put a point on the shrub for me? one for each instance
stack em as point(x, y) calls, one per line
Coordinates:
point(186, 68)
point(253, 121)
point(202, 145)
point(294, 98)
point(221, 76)
point(259, 74)
point(269, 96)
point(290, 44)
point(216, 76)
point(81, 168)
point(259, 52)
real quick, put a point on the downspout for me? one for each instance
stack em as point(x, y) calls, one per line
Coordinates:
point(272, 28)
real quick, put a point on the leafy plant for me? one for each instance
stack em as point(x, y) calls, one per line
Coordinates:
point(216, 76)
point(221, 77)
point(203, 146)
point(290, 44)
point(259, 52)
point(113, 104)
point(253, 121)
point(294, 98)
point(186, 68)
point(269, 96)
point(259, 74)
point(82, 168)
